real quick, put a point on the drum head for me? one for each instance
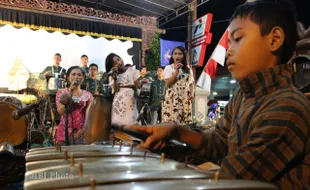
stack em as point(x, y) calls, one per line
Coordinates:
point(14, 131)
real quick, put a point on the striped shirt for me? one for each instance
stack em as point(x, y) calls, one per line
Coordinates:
point(264, 133)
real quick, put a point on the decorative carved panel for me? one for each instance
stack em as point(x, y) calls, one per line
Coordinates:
point(45, 5)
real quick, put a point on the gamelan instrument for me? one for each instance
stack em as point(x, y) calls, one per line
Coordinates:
point(13, 135)
point(55, 84)
point(145, 90)
point(110, 165)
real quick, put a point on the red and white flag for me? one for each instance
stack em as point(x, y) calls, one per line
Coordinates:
point(218, 56)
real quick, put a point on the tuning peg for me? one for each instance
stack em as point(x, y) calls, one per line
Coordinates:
point(66, 155)
point(162, 158)
point(145, 154)
point(92, 183)
point(81, 169)
point(72, 160)
point(113, 143)
point(120, 146)
point(216, 177)
point(57, 146)
point(131, 148)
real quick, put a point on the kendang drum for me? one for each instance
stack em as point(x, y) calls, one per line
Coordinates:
point(106, 165)
point(12, 131)
point(56, 83)
point(145, 90)
point(106, 91)
point(13, 135)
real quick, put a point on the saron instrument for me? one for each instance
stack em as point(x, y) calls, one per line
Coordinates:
point(106, 165)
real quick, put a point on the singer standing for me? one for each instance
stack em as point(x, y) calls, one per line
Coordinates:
point(177, 106)
point(124, 81)
point(79, 104)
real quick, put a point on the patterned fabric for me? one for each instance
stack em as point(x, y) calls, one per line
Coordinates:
point(76, 120)
point(124, 107)
point(176, 106)
point(91, 85)
point(264, 133)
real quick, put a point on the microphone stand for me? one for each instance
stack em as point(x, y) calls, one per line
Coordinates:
point(66, 125)
point(141, 113)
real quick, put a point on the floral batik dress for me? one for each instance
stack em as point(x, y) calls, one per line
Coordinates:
point(177, 107)
point(124, 107)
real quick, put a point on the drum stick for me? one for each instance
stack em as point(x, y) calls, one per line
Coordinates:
point(136, 134)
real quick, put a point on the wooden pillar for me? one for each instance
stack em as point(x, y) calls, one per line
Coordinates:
point(192, 16)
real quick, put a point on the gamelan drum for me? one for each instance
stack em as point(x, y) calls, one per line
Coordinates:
point(13, 135)
point(56, 83)
point(145, 90)
point(106, 90)
point(12, 131)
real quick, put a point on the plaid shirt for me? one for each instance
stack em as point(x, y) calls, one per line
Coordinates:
point(264, 132)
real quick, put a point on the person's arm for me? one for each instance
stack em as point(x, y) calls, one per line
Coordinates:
point(192, 85)
point(44, 74)
point(60, 107)
point(170, 76)
point(89, 103)
point(135, 77)
point(277, 143)
point(212, 145)
point(63, 73)
point(171, 80)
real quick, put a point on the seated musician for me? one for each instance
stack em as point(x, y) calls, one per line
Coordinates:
point(55, 71)
point(157, 95)
point(264, 132)
point(91, 83)
point(78, 102)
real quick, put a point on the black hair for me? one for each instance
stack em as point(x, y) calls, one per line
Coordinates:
point(58, 54)
point(93, 65)
point(184, 61)
point(109, 61)
point(268, 14)
point(163, 68)
point(84, 56)
point(128, 65)
point(143, 67)
point(75, 67)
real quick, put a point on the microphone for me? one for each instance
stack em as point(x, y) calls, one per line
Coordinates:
point(17, 114)
point(113, 71)
point(75, 83)
point(142, 109)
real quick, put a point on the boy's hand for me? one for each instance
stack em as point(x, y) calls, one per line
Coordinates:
point(158, 134)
